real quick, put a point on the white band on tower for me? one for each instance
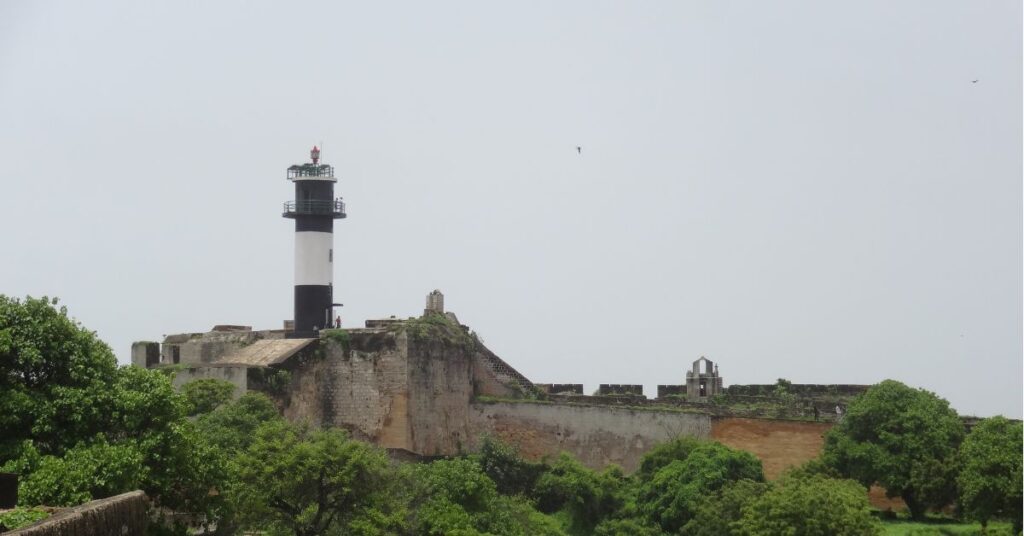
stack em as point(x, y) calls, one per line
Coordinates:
point(314, 258)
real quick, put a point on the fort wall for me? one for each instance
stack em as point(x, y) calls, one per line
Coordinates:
point(440, 384)
point(361, 386)
point(596, 435)
point(779, 444)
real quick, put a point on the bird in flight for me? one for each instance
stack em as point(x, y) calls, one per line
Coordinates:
point(974, 81)
point(579, 150)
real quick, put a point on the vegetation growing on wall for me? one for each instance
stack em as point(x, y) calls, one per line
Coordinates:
point(338, 336)
point(21, 517)
point(273, 381)
point(436, 327)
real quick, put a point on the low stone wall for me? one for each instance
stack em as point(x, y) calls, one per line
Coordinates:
point(121, 515)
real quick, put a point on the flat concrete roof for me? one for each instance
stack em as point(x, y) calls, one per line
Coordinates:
point(264, 352)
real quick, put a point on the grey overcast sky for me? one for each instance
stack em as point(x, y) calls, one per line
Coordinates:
point(802, 189)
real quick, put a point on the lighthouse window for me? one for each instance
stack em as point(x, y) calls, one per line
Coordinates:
point(330, 255)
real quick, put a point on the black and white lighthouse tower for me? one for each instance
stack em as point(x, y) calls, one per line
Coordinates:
point(314, 210)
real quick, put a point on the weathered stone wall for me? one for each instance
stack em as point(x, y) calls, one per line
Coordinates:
point(145, 354)
point(560, 388)
point(779, 444)
point(236, 375)
point(597, 435)
point(620, 389)
point(200, 348)
point(784, 444)
point(487, 383)
point(121, 515)
point(671, 390)
point(799, 389)
point(362, 388)
point(440, 389)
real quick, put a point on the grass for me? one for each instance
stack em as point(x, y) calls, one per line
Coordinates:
point(942, 527)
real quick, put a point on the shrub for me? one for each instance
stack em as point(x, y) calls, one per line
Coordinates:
point(810, 506)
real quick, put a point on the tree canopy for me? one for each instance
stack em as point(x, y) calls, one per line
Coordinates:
point(78, 427)
point(990, 473)
point(902, 438)
point(309, 481)
point(808, 506)
point(677, 476)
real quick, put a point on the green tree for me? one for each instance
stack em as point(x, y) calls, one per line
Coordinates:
point(716, 513)
point(91, 470)
point(586, 496)
point(665, 453)
point(456, 497)
point(626, 527)
point(809, 506)
point(206, 394)
point(670, 495)
point(88, 428)
point(990, 474)
point(45, 355)
point(510, 472)
point(902, 438)
point(303, 481)
point(232, 426)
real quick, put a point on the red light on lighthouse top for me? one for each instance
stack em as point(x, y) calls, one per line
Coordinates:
point(315, 154)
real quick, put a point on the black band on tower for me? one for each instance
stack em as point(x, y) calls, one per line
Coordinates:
point(312, 306)
point(314, 223)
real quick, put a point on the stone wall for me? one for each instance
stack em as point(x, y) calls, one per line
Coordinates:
point(800, 389)
point(784, 444)
point(597, 435)
point(121, 515)
point(440, 390)
point(671, 390)
point(362, 387)
point(145, 354)
point(201, 348)
point(560, 388)
point(779, 444)
point(620, 389)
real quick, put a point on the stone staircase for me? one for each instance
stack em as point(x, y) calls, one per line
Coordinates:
point(503, 371)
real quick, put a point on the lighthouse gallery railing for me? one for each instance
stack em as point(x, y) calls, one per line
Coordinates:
point(315, 208)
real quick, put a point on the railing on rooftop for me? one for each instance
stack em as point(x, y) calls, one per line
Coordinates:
point(334, 208)
point(310, 170)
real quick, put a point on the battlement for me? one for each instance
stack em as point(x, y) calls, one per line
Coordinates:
point(615, 389)
point(560, 388)
point(671, 390)
point(799, 389)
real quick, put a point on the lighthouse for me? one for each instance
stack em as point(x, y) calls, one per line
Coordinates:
point(314, 210)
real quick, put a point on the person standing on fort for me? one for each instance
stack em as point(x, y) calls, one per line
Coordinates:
point(337, 322)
